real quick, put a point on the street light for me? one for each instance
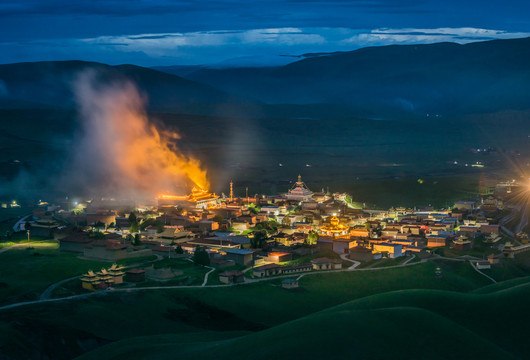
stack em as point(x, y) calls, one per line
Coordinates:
point(28, 235)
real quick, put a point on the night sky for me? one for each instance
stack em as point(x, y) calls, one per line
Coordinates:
point(240, 32)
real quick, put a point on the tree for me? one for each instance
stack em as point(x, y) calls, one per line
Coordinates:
point(201, 257)
point(134, 227)
point(259, 240)
point(132, 218)
point(136, 240)
point(286, 221)
point(134, 223)
point(253, 209)
point(97, 235)
point(218, 219)
point(312, 238)
point(270, 226)
point(99, 225)
point(179, 250)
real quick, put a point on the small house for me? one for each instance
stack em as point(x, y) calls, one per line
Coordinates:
point(267, 270)
point(232, 277)
point(240, 256)
point(482, 264)
point(360, 253)
point(290, 284)
point(135, 275)
point(493, 259)
point(278, 257)
point(326, 264)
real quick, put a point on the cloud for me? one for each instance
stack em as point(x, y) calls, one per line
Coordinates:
point(220, 46)
point(241, 43)
point(159, 43)
point(462, 35)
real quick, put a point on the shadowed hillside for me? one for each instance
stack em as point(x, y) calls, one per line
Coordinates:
point(30, 85)
point(401, 325)
point(444, 78)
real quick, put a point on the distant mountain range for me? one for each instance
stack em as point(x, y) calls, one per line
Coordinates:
point(315, 116)
point(45, 84)
point(444, 78)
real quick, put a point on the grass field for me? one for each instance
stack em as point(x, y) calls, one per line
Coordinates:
point(27, 271)
point(245, 310)
point(192, 275)
point(433, 324)
point(306, 259)
point(479, 249)
point(510, 268)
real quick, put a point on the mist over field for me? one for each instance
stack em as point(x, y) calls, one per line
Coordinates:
point(342, 120)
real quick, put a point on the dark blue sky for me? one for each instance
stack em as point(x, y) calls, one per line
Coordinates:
point(165, 32)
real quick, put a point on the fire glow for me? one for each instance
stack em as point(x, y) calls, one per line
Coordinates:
point(124, 150)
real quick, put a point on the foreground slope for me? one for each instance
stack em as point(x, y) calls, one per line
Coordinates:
point(422, 324)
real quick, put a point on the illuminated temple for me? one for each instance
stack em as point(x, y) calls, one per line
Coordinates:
point(335, 228)
point(299, 191)
point(198, 198)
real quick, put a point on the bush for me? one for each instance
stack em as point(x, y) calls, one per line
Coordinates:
point(179, 250)
point(201, 257)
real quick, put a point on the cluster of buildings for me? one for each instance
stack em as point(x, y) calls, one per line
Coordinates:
point(226, 226)
point(103, 279)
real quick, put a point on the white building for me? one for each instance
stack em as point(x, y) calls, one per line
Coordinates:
point(299, 192)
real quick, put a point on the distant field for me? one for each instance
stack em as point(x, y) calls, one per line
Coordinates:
point(379, 162)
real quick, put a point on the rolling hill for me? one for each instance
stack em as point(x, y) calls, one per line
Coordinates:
point(409, 324)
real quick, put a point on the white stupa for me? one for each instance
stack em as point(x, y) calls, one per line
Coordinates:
point(299, 191)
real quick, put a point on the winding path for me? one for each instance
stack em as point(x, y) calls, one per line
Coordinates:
point(202, 286)
point(481, 273)
point(355, 262)
point(409, 259)
point(45, 298)
point(206, 276)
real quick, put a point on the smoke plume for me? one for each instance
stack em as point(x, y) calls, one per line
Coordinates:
point(121, 153)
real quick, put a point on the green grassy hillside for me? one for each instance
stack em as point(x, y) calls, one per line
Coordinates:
point(407, 324)
point(71, 328)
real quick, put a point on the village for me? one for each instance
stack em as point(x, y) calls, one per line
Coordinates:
point(245, 239)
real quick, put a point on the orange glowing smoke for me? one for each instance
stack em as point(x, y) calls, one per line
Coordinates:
point(128, 151)
point(172, 197)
